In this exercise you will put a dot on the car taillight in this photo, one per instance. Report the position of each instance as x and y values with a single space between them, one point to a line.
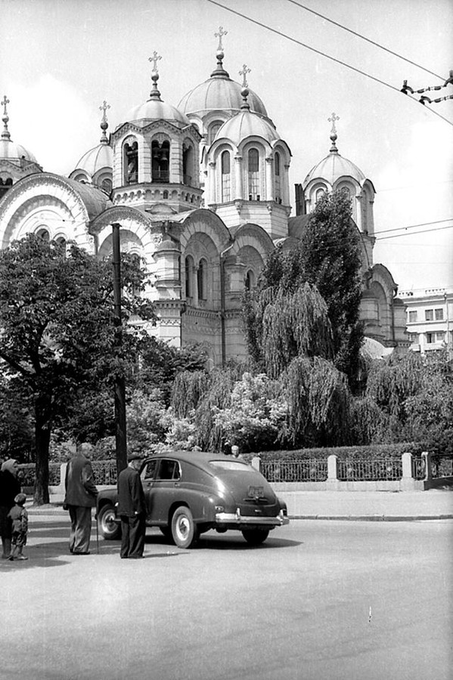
219 508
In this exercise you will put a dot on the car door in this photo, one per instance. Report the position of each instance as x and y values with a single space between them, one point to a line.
166 489
149 475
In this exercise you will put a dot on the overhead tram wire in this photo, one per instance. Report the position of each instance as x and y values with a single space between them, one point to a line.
323 54
413 233
414 226
372 42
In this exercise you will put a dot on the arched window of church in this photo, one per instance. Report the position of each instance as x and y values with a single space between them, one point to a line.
165 195
226 176
249 280
201 279
160 159
131 163
136 260
320 193
253 166
43 234
189 274
278 190
106 185
5 185
213 130
187 164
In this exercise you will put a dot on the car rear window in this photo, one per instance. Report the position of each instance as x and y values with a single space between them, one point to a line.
230 465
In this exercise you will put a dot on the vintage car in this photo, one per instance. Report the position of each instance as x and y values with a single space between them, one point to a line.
189 492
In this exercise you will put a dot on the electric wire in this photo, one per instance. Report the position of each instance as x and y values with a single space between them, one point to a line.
359 35
422 231
414 226
323 54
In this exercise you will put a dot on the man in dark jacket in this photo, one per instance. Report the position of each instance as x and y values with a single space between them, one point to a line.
132 509
80 497
9 488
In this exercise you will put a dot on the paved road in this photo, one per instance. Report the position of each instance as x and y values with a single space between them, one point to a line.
321 600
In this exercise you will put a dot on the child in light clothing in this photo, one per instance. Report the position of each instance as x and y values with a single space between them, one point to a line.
19 518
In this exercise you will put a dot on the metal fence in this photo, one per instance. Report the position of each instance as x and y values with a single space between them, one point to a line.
295 470
358 470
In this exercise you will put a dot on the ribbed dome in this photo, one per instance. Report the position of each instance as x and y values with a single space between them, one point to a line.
218 92
15 152
246 124
332 167
96 159
155 109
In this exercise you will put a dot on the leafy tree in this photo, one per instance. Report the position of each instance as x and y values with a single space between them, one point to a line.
58 338
330 259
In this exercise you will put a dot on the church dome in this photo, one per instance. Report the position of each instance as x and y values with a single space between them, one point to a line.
101 156
156 109
219 92
246 124
334 166
9 150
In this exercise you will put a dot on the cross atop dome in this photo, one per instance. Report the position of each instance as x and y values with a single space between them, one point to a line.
220 71
104 123
155 94
5 133
333 132
219 35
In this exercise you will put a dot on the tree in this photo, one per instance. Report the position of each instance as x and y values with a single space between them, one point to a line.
57 330
330 260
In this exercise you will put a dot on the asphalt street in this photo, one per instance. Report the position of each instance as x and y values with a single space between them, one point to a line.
320 600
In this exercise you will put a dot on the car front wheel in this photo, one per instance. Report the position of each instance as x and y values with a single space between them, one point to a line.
108 527
183 528
255 536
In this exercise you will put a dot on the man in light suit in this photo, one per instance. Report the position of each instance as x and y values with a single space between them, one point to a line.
80 497
132 509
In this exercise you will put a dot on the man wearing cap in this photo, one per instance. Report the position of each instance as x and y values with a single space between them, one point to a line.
132 509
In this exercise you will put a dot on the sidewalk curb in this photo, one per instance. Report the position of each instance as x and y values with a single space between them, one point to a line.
372 518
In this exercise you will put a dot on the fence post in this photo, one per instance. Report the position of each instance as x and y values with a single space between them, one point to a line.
332 471
256 463
428 469
407 480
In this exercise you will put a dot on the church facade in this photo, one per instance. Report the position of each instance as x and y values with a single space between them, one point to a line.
201 193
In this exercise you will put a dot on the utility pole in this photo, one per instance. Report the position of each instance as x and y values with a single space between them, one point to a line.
120 384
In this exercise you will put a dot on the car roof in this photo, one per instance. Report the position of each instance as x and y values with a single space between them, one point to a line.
200 458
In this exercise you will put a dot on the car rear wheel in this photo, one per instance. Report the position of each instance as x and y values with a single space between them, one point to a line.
183 528
108 527
255 536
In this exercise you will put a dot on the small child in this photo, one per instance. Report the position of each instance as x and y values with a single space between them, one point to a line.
19 518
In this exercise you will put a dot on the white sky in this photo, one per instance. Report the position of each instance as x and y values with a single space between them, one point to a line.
59 59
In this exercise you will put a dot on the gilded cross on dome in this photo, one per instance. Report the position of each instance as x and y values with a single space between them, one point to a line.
333 120
155 58
243 73
5 101
219 35
104 108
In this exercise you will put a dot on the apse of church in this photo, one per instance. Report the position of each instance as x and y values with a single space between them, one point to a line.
201 193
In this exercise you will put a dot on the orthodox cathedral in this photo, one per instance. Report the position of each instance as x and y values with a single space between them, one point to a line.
200 192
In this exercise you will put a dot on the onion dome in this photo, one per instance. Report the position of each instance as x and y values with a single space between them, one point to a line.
101 156
155 108
9 150
219 92
334 166
247 123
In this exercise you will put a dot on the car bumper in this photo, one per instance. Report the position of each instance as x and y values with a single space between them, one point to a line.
236 520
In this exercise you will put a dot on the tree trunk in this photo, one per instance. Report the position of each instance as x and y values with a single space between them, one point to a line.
42 439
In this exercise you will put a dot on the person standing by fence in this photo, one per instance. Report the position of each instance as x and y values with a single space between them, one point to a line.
81 493
19 518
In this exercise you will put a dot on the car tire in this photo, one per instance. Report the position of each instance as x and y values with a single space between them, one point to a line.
108 527
255 536
183 528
